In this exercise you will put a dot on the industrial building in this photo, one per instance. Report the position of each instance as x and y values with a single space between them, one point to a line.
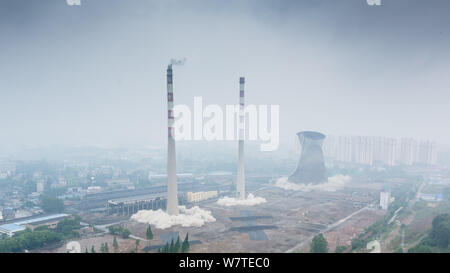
131 205
31 223
311 165
431 197
194 197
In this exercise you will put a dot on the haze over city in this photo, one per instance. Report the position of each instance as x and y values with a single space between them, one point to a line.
94 74
227 127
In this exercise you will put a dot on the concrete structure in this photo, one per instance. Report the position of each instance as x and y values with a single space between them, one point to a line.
385 198
194 197
172 190
131 205
240 184
311 165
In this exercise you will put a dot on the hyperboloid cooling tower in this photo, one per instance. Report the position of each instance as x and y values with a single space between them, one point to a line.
311 166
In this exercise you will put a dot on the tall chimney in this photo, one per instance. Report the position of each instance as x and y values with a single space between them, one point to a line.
172 191
240 184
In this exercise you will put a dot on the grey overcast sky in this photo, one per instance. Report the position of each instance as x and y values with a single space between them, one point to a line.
95 73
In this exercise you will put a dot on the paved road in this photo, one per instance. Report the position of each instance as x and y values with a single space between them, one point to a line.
138 238
105 227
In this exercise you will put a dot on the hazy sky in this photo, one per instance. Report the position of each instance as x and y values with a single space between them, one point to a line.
95 73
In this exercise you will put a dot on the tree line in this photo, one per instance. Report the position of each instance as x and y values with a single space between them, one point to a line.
40 237
176 247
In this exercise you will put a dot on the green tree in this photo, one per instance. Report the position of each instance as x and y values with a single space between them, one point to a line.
27 240
166 248
92 249
177 247
115 244
398 250
420 249
137 244
185 245
319 244
125 233
149 233
440 232
172 247
358 243
341 249
52 204
121 231
106 248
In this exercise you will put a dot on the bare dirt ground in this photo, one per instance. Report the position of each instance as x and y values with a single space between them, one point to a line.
344 234
292 213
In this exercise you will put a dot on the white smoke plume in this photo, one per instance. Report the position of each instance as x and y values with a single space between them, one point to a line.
193 217
251 200
177 62
334 183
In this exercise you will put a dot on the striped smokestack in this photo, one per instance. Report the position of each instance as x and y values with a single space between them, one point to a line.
240 184
172 191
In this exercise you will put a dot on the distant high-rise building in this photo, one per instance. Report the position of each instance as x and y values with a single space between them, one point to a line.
365 150
40 187
427 152
385 198
408 151
390 151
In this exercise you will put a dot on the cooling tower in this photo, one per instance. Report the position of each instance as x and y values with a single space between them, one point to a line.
311 166
240 184
172 191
